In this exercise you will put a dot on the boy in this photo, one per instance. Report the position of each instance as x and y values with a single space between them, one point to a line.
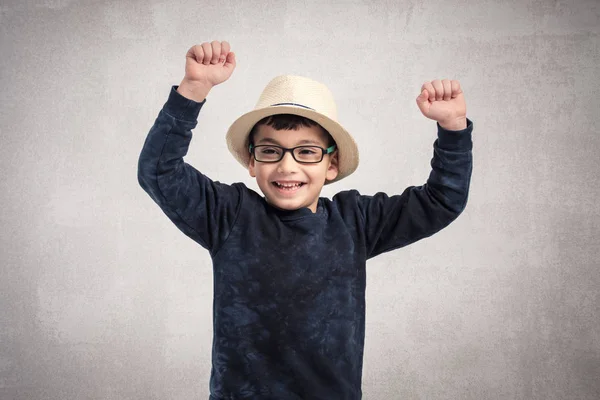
289 268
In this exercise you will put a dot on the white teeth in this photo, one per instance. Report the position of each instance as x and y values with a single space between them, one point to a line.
288 185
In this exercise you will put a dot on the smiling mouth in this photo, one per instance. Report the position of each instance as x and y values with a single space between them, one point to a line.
288 186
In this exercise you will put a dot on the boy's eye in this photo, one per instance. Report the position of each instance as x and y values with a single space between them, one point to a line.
269 150
308 151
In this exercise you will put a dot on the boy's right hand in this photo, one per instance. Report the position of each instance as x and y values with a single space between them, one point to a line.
206 65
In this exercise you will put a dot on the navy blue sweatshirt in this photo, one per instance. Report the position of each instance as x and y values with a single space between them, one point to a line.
289 286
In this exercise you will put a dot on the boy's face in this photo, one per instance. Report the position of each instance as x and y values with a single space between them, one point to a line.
287 184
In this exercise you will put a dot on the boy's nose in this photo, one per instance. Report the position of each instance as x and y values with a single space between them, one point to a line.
287 164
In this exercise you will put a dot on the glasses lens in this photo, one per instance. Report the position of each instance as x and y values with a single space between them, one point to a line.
308 154
267 153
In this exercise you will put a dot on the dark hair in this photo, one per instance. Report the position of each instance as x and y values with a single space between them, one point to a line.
287 122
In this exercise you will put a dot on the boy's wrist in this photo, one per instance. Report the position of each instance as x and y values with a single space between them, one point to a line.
455 140
193 90
458 124
181 107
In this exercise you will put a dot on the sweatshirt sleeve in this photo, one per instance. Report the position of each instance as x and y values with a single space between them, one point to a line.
391 222
202 209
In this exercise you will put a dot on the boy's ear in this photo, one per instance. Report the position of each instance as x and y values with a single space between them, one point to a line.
332 170
251 167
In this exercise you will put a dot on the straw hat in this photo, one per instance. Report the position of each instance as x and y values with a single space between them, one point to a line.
290 94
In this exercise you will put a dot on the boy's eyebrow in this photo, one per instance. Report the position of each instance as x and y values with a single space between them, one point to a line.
302 142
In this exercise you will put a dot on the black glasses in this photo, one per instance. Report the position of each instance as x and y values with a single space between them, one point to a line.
302 154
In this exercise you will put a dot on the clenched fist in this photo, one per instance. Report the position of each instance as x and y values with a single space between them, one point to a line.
444 102
206 65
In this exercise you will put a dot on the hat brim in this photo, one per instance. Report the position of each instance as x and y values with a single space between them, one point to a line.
238 140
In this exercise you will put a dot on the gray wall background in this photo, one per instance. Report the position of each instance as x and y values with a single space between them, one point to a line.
103 298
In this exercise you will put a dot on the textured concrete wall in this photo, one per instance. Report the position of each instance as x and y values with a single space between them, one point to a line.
101 297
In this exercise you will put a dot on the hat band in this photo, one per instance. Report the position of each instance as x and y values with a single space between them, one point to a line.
291 104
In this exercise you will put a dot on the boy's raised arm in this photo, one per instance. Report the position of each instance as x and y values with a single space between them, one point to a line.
420 211
204 210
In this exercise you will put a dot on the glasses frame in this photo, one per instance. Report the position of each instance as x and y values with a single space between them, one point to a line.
328 150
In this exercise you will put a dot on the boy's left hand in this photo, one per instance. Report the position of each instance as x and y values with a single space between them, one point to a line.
444 102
